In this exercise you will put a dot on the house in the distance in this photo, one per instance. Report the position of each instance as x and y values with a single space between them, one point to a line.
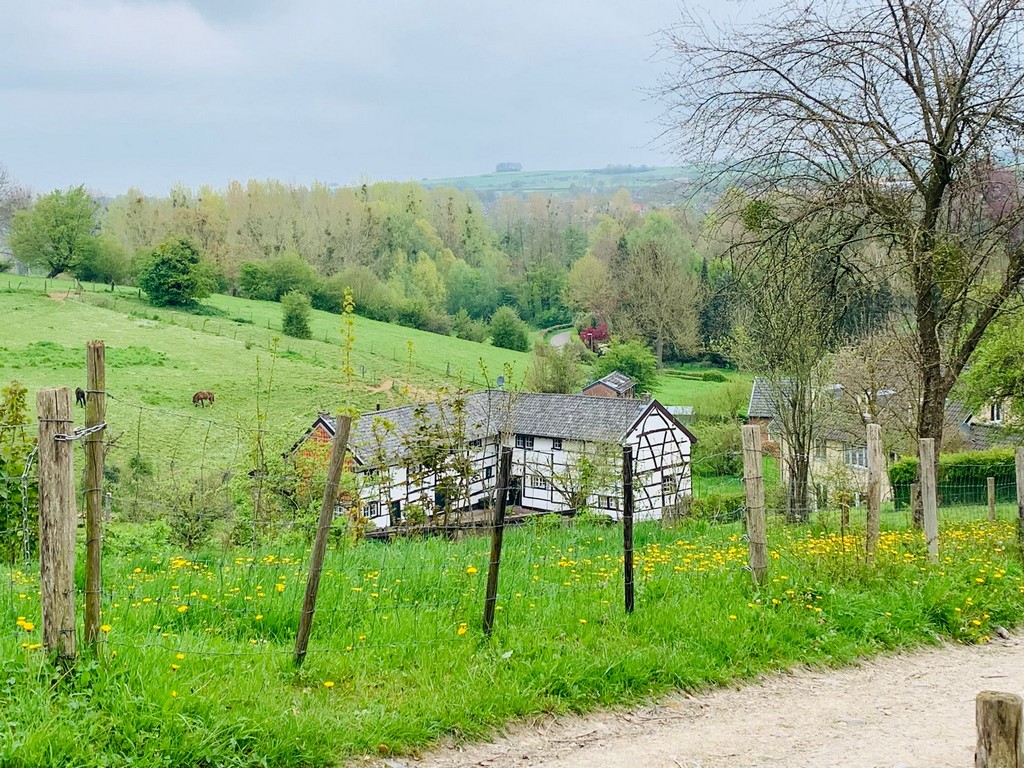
615 384
439 461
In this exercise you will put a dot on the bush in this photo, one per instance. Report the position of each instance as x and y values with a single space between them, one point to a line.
296 311
632 358
465 327
713 376
720 450
508 331
963 477
721 507
175 275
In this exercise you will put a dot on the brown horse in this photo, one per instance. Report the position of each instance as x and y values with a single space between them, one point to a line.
80 397
201 398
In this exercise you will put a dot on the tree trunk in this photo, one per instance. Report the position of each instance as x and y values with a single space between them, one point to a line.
932 418
659 351
798 501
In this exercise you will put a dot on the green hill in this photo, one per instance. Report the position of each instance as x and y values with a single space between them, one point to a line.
158 358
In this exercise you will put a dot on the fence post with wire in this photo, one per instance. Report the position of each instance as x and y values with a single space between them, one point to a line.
753 484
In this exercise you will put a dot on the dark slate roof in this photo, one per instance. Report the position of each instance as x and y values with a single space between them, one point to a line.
571 417
616 380
761 405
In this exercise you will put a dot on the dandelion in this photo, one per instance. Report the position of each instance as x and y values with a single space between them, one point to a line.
328 683
175 667
280 587
583 621
462 629
732 617
471 570
182 608
174 694
180 656
105 628
259 616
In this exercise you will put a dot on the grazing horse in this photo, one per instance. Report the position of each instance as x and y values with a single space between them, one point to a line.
80 397
201 398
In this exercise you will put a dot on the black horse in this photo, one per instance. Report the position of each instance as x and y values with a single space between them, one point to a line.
80 397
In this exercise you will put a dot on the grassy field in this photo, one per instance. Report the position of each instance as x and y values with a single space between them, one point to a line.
195 665
159 357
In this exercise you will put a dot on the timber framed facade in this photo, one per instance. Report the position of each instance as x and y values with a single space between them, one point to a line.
438 462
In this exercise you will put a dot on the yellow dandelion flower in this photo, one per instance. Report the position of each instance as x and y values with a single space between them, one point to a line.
105 628
259 616
583 621
471 570
732 617
328 683
462 629
180 656
175 667
182 608
280 587
174 694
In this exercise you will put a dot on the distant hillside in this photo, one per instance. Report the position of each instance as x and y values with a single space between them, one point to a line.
648 185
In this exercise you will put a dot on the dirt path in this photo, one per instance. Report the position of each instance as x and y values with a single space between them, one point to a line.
561 339
911 711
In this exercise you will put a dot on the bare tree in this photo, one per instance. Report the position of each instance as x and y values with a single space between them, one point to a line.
12 199
890 127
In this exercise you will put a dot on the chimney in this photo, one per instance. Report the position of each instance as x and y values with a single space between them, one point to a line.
378 406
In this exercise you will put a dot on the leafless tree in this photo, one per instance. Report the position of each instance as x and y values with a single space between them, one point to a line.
891 128
12 199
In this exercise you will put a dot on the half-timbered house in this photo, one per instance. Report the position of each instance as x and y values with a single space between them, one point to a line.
440 460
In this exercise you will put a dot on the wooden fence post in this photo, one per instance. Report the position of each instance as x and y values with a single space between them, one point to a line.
876 468
57 519
753 483
95 415
916 514
627 527
342 427
929 496
497 535
1019 461
998 720
991 483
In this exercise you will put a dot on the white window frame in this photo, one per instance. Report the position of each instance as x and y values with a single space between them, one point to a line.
538 482
525 442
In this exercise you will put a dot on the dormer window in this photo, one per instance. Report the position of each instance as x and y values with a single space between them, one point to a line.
995 413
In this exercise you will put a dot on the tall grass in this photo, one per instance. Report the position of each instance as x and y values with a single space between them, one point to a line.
196 670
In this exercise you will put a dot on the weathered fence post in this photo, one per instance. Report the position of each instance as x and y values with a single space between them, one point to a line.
57 519
991 483
998 720
497 535
95 414
342 427
876 468
1019 462
627 527
753 483
929 496
916 513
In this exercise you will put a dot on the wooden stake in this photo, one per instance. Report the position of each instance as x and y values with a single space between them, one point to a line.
991 482
998 720
753 483
57 518
95 415
876 468
916 515
1019 462
627 526
497 535
342 427
929 496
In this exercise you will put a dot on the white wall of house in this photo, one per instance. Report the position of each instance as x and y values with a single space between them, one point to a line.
540 466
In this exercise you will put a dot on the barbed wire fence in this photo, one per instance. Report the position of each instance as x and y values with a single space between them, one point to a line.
194 566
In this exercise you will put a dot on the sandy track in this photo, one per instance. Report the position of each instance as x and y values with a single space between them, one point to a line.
907 711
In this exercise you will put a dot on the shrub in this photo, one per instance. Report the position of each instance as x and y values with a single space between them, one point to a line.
296 311
175 275
721 507
508 331
713 376
465 327
720 450
632 358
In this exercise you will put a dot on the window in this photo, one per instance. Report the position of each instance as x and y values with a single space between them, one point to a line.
476 443
524 441
607 502
373 508
488 472
536 481
820 450
668 484
855 455
995 413
556 443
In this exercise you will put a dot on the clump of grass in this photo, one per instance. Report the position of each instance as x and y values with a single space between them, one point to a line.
196 667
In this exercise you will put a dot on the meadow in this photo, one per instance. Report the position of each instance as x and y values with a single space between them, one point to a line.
159 357
195 663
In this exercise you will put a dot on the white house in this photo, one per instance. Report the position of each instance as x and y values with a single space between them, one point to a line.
441 459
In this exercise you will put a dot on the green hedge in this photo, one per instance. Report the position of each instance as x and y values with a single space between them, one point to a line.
963 477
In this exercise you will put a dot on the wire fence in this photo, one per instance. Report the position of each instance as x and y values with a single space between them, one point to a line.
209 526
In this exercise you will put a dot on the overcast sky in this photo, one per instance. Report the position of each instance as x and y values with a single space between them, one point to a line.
147 93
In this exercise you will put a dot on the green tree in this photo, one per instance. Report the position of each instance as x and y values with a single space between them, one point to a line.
997 371
105 262
632 358
508 331
174 274
296 310
19 530
555 370
57 233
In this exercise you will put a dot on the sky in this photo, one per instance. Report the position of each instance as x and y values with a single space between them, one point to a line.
149 93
